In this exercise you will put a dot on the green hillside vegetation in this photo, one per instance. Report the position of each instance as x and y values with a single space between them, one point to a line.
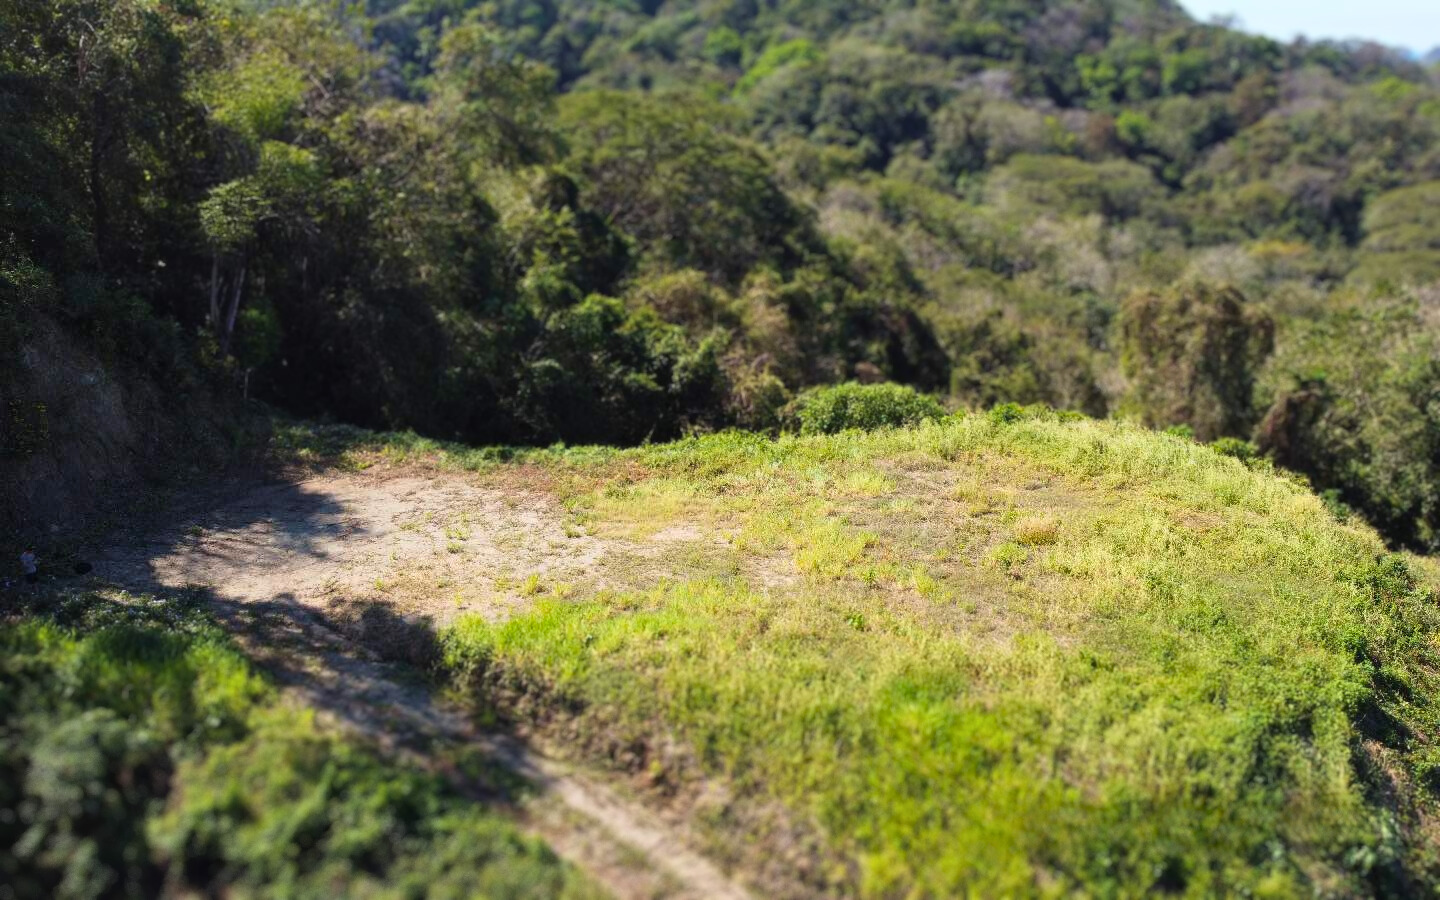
1009 653
143 755
757 272
1017 652
528 222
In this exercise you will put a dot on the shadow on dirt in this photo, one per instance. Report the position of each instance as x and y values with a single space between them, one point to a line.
231 529
248 553
407 639
359 663
287 568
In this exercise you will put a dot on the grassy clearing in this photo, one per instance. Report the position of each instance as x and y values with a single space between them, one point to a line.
141 754
1033 656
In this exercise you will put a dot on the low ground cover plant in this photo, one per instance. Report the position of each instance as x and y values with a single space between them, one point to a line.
142 753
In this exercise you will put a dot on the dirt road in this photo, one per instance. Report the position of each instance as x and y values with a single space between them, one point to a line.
331 580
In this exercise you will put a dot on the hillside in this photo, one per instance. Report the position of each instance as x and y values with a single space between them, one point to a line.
528 222
708 450
995 656
1009 653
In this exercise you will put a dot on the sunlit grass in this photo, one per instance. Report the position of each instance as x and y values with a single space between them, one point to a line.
1015 657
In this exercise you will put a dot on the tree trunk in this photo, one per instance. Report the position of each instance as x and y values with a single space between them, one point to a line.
99 146
229 328
215 292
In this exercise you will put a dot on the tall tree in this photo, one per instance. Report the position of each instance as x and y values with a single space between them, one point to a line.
1192 354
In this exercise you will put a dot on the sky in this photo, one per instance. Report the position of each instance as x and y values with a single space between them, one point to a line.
1399 23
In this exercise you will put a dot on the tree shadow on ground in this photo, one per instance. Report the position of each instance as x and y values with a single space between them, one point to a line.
231 530
356 660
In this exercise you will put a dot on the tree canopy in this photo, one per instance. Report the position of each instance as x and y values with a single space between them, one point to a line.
579 221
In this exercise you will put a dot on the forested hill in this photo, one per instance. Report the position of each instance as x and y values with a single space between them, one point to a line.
613 222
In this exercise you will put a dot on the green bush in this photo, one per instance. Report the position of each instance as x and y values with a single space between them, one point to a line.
724 47
1116 189
602 374
1010 413
1192 354
775 58
828 410
1235 447
366 826
141 754
1356 408
1402 237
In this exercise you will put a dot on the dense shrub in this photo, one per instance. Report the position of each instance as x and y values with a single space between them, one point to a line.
1192 355
1242 450
1356 407
601 375
828 410
1115 189
1402 237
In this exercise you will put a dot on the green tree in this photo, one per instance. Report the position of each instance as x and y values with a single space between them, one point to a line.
600 374
495 98
724 47
1402 236
100 131
693 195
1357 408
1192 354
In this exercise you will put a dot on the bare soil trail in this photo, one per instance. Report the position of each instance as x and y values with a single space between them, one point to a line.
336 581
429 547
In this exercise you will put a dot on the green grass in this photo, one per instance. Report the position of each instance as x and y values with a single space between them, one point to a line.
1012 655
141 754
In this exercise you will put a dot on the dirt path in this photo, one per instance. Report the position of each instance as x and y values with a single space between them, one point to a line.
316 576
435 547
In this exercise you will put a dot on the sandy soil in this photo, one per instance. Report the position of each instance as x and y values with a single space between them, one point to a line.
430 546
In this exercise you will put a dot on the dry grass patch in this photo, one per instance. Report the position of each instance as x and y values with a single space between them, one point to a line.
1036 531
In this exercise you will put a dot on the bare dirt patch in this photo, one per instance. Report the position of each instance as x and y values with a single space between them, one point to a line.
332 580
432 547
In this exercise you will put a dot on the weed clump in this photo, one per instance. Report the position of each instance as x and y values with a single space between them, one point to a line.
1035 531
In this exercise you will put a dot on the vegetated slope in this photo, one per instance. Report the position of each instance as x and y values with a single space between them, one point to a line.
991 656
85 429
1012 653
527 222
145 756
